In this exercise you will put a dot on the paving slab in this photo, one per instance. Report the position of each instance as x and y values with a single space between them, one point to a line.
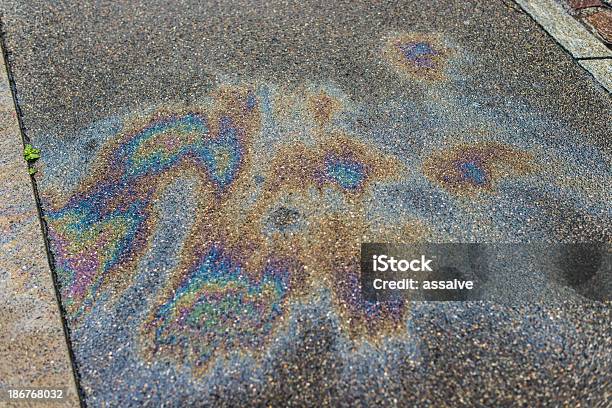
601 20
33 348
582 4
208 173
601 69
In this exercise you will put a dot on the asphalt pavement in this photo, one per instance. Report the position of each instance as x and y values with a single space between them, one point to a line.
209 170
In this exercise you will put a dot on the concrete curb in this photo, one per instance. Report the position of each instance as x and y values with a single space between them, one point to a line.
588 50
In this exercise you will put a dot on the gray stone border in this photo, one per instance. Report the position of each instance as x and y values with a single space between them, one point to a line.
588 50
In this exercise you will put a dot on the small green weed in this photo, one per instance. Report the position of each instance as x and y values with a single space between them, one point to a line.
30 153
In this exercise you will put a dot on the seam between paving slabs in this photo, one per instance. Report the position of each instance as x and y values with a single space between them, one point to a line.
525 4
582 63
592 58
43 225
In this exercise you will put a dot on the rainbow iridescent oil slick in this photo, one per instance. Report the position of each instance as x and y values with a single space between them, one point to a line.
470 168
219 305
286 183
417 56
100 230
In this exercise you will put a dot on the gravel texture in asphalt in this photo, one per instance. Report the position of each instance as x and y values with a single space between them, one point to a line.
210 169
